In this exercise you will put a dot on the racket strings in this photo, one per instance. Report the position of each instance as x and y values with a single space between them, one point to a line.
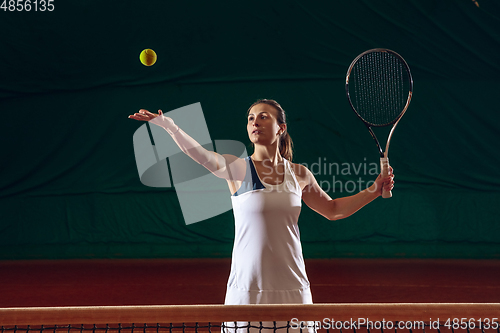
379 86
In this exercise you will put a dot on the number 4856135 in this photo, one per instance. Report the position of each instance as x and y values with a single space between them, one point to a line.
27 5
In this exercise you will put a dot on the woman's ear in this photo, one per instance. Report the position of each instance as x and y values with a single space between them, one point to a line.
282 128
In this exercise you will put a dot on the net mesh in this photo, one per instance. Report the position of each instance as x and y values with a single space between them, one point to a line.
355 318
379 87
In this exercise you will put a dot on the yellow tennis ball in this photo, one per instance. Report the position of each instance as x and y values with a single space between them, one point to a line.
148 57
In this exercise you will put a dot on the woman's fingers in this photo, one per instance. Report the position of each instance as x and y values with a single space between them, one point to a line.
141 116
147 113
144 115
389 183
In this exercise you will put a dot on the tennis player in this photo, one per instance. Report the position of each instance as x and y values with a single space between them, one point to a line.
267 193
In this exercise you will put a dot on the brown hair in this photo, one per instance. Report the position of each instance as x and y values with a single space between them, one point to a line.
286 144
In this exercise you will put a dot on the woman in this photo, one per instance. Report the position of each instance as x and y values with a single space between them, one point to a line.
267 191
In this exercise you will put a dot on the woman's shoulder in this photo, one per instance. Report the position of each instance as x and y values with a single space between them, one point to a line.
236 166
300 170
235 159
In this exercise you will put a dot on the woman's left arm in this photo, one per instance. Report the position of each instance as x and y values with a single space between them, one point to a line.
334 209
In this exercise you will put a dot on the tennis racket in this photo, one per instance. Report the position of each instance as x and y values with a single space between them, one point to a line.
379 88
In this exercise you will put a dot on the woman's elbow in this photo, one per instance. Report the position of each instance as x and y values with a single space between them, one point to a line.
334 212
334 216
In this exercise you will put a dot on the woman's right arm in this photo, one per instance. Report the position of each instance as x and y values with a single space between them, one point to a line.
212 161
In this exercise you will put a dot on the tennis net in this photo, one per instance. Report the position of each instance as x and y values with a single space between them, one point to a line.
346 318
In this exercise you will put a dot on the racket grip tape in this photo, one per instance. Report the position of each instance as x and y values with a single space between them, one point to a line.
384 167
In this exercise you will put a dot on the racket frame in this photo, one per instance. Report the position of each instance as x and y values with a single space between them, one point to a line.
384 160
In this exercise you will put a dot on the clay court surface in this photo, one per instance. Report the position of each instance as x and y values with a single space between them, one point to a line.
203 281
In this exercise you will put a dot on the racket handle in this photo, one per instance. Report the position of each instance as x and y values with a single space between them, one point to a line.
384 167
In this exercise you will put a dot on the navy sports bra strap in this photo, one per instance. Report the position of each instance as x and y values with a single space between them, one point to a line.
251 181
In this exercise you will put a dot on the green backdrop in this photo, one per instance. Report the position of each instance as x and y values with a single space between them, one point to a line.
70 77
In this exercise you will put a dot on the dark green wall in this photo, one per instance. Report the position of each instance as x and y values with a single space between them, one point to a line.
69 79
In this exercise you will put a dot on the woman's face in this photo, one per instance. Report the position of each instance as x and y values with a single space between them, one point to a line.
262 125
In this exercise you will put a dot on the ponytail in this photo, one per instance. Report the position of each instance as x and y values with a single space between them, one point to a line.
286 146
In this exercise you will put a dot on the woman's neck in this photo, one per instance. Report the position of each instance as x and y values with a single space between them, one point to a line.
267 153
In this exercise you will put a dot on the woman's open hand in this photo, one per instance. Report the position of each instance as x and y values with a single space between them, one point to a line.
157 119
143 115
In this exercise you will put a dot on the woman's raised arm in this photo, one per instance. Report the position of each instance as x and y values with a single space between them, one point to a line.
212 161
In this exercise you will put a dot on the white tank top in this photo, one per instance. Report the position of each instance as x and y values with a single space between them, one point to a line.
267 262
